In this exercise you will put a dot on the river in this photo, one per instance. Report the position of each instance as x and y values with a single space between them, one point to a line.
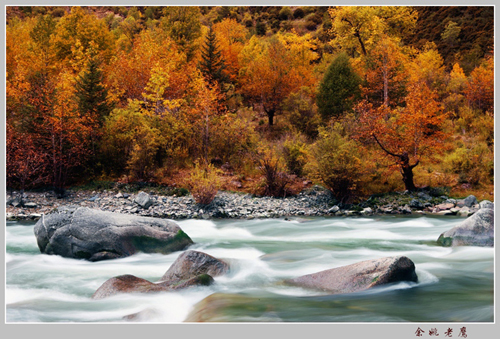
455 284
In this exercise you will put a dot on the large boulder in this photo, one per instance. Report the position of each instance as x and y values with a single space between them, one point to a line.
84 233
360 276
476 230
486 204
194 263
191 268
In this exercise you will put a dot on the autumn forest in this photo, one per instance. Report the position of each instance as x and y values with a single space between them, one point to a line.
265 100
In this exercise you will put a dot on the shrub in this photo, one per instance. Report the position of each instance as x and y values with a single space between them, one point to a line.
204 182
285 13
276 180
296 154
247 20
58 12
260 28
298 13
302 113
338 163
474 165
232 136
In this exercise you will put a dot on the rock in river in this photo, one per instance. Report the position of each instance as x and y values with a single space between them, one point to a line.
131 284
84 233
191 268
193 263
476 230
359 276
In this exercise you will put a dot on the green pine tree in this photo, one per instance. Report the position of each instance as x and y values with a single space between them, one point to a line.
339 88
92 99
91 95
212 64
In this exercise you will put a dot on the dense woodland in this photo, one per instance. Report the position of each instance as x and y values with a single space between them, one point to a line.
361 100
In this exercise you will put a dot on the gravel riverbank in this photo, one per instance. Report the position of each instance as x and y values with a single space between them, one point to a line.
316 201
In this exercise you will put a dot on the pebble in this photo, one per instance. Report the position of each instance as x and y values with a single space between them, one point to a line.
316 202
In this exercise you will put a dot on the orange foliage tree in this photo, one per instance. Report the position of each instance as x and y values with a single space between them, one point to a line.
25 162
385 71
231 37
406 133
479 90
271 71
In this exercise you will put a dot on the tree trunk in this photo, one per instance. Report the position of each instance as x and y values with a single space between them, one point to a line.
270 116
407 172
357 35
404 162
386 84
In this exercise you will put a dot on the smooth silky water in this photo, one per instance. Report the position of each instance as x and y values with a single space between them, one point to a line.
455 284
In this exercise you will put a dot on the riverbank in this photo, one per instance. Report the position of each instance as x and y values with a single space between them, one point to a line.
315 201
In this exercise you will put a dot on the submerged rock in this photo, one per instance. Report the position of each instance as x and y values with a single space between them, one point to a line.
476 230
125 284
83 233
131 284
360 276
224 307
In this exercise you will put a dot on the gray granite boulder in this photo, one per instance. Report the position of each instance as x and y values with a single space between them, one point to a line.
476 230
486 204
84 233
359 276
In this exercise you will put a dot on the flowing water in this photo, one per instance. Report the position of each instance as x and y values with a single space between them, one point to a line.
455 284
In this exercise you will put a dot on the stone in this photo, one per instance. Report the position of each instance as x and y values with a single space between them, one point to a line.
424 196
125 284
144 200
334 209
17 202
193 263
367 210
415 203
476 230
464 212
405 209
486 204
119 195
30 205
470 201
131 284
359 276
444 206
84 233
444 212
387 210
